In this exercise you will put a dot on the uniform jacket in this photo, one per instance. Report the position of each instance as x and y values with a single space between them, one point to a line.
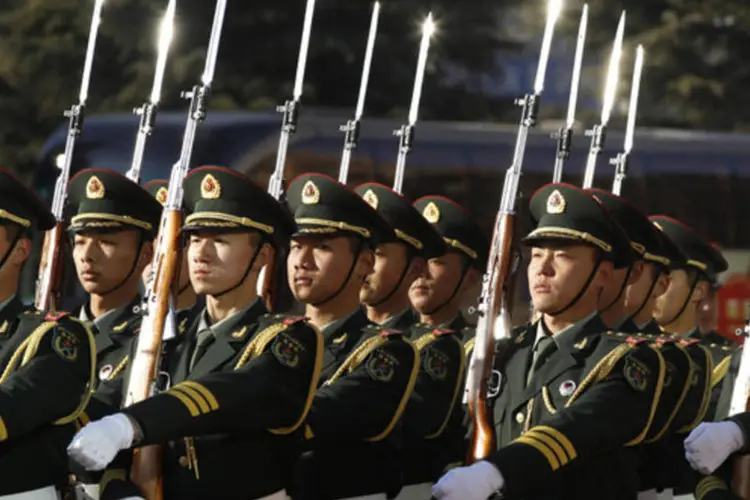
46 364
571 432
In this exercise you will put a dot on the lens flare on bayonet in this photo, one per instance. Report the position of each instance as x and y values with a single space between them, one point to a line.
577 64
554 7
165 39
635 90
613 73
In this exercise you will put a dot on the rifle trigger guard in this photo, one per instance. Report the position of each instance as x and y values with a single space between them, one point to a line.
493 385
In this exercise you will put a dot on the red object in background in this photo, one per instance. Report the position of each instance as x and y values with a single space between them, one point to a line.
733 306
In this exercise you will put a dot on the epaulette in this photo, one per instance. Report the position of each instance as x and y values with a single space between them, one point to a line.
50 316
442 331
293 320
687 342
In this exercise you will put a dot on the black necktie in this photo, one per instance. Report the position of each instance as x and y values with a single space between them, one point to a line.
542 350
204 339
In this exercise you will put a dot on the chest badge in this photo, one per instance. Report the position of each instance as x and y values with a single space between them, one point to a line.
567 388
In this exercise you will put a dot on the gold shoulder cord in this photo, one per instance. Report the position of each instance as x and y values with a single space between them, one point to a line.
28 349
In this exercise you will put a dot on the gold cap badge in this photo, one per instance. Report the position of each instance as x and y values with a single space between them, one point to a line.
161 195
210 188
555 203
431 212
310 193
94 188
371 198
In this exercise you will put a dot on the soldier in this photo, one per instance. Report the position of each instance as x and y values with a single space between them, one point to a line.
399 260
434 431
112 230
354 448
46 362
684 393
573 399
186 297
677 310
232 423
637 290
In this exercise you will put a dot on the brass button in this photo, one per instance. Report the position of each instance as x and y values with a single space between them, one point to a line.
183 461
520 417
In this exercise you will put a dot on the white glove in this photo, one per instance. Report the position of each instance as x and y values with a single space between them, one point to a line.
710 444
476 482
97 444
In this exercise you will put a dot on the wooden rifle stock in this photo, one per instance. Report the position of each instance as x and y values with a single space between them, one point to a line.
50 270
146 471
269 289
494 300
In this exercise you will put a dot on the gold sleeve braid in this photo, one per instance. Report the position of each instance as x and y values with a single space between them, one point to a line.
359 355
718 373
707 387
605 366
26 352
423 342
683 394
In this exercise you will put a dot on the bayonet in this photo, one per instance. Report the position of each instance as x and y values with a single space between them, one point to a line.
621 160
599 133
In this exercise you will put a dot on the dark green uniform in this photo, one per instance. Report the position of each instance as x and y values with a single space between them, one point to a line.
232 420
105 201
46 367
353 426
684 398
706 262
434 430
571 430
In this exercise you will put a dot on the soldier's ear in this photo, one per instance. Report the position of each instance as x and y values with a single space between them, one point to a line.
636 272
146 255
365 263
603 274
700 291
265 254
21 251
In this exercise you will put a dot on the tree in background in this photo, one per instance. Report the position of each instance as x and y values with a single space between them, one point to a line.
695 74
43 44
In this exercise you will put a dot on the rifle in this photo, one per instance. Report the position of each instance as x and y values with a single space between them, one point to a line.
50 265
599 133
564 136
620 162
406 132
352 126
494 319
158 301
290 109
150 108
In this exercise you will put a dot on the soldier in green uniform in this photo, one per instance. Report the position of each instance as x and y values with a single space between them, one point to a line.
638 284
353 429
112 229
676 311
684 394
434 430
574 399
399 260
46 362
232 423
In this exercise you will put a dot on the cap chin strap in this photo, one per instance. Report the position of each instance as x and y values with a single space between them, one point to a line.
648 295
622 288
464 270
687 300
586 285
412 255
141 241
357 252
247 270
